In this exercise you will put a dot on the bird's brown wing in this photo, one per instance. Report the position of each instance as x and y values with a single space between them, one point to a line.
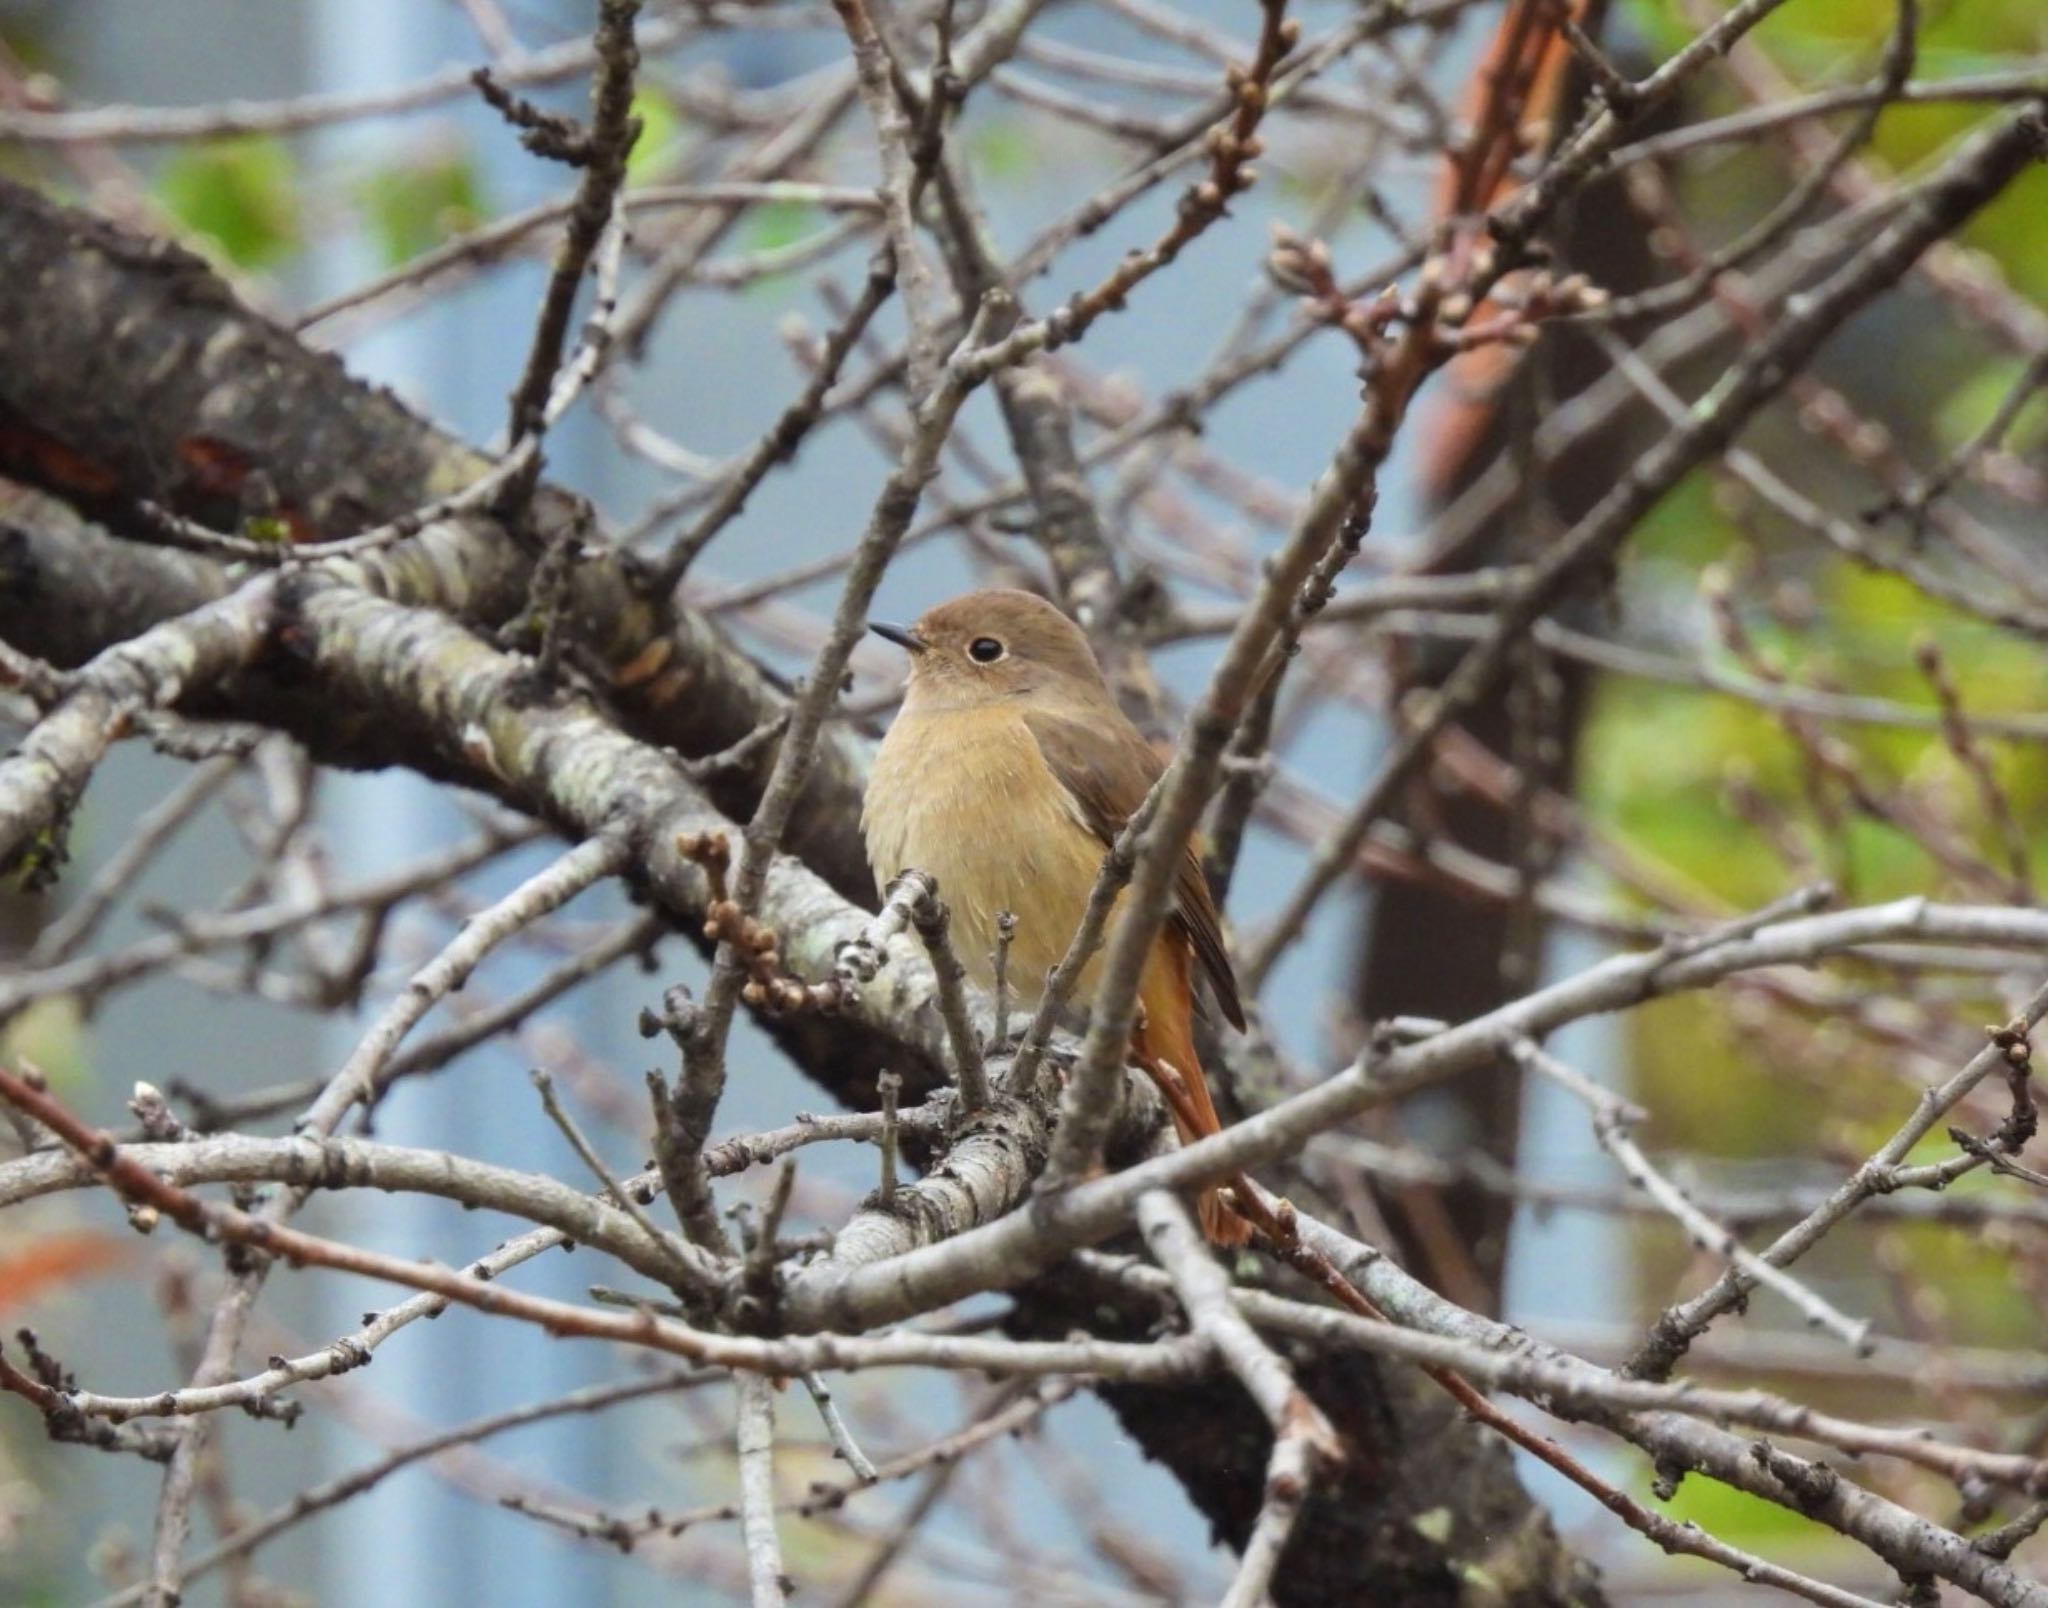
1107 768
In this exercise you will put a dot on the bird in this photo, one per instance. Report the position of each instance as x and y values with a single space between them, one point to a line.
1006 776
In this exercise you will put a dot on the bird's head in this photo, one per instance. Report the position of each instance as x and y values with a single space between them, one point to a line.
994 645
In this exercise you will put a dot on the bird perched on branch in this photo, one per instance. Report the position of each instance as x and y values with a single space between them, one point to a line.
1007 775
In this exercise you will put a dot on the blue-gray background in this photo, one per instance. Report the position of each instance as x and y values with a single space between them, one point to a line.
715 378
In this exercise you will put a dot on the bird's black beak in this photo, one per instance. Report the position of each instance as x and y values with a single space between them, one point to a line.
901 635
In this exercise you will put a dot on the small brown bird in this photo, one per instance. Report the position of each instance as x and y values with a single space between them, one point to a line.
1007 775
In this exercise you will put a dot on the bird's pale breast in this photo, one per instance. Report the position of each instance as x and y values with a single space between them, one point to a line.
965 795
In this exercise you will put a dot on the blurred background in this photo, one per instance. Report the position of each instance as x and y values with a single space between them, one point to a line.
1673 796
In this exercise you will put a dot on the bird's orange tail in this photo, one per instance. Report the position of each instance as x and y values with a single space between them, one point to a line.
1167 1036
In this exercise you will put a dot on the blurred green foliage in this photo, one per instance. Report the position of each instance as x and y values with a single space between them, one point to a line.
1004 148
239 195
774 224
1974 403
1826 43
1762 1077
1658 759
412 206
661 134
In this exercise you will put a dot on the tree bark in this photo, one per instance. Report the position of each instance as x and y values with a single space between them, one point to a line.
1467 965
131 374
1427 1503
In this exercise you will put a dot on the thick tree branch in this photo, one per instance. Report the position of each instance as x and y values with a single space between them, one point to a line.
134 375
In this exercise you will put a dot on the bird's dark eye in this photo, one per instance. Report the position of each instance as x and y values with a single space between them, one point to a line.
984 650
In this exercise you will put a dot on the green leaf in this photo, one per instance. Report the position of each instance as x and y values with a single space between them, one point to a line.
1748 1521
266 528
1664 27
776 224
1685 527
2010 231
413 206
661 131
50 1033
1005 148
238 193
1975 402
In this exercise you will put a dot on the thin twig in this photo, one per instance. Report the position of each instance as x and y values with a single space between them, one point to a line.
844 1446
886 1089
929 915
622 1195
601 152
1006 935
762 1255
1305 1446
754 1439
780 444
1612 1118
